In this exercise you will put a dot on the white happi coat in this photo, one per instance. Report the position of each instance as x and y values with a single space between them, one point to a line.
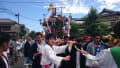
103 60
49 55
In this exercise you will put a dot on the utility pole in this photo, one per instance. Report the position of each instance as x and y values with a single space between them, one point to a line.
70 17
61 10
17 15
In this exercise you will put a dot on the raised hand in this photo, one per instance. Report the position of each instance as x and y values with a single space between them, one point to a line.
83 52
67 58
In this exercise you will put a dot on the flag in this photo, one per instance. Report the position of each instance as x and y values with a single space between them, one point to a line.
116 55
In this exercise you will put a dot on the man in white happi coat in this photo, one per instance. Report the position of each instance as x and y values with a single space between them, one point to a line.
49 57
108 58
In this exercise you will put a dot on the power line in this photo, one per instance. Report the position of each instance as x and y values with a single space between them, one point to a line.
28 18
7 11
4 10
20 3
32 2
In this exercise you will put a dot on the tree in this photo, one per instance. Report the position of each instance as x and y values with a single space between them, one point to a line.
102 29
92 17
32 34
22 30
93 25
116 29
74 31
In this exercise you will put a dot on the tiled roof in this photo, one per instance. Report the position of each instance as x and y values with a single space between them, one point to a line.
107 12
77 19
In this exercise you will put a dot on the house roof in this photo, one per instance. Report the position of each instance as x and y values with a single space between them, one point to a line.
77 19
107 12
7 21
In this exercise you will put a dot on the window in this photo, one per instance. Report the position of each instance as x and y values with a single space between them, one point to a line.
5 28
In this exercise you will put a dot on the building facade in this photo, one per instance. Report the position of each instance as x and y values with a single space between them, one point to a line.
9 26
109 17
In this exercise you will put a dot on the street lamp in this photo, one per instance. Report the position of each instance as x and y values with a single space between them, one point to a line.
41 22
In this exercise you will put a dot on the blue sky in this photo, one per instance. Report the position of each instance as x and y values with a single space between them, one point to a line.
32 10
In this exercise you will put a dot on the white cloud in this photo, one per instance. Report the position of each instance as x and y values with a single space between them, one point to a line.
110 4
77 6
109 1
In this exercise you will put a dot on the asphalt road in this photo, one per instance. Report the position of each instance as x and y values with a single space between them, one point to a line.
19 64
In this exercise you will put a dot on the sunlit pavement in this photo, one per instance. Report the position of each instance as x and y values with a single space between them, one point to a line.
19 64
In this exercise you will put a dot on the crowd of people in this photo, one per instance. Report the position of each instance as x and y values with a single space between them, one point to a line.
49 51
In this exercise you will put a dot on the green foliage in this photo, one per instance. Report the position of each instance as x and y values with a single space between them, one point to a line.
32 34
92 25
116 29
91 29
74 29
102 29
96 28
119 18
22 31
92 17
